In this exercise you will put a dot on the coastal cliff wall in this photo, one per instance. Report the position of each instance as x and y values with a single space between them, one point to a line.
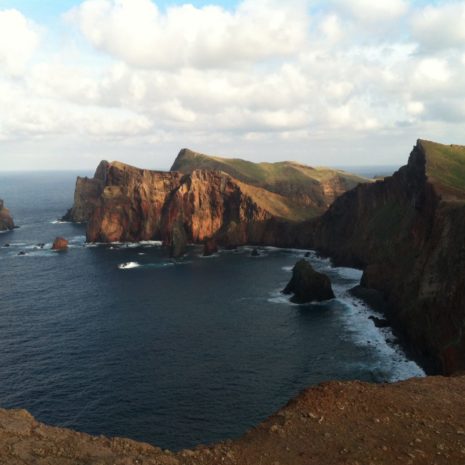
6 220
408 234
123 203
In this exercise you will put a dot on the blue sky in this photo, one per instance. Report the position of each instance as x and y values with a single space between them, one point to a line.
334 82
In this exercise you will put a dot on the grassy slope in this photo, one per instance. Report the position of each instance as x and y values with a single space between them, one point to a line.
445 167
289 180
262 174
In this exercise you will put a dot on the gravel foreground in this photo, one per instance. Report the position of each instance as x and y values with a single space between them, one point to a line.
419 421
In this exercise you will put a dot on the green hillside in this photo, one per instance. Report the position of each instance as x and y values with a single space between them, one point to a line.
445 167
267 175
305 191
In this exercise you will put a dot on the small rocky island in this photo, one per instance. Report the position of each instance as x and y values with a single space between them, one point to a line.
308 285
6 220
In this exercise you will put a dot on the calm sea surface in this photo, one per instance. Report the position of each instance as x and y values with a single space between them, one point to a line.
172 353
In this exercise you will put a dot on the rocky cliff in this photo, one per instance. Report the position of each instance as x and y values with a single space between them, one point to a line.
6 220
408 234
124 203
416 422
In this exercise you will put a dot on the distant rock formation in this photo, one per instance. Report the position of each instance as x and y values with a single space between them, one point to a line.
408 234
6 220
308 285
60 244
204 200
123 203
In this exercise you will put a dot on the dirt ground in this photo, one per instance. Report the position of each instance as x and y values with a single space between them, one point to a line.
418 422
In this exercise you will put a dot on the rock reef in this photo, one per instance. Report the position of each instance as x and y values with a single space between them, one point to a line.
6 220
416 422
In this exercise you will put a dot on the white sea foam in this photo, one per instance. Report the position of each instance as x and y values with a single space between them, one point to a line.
59 222
129 265
354 316
151 243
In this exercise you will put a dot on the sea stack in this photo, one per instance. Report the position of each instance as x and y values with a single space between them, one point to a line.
60 244
6 220
308 285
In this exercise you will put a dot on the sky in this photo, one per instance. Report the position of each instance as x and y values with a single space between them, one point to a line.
333 82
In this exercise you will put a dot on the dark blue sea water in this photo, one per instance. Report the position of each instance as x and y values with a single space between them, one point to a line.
172 353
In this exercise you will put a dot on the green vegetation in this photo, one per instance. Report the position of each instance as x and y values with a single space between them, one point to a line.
290 190
445 167
267 175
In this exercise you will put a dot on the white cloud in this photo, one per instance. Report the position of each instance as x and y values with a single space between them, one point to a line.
372 11
269 78
18 41
440 27
138 33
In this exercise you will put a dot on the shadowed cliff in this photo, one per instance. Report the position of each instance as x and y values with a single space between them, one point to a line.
408 234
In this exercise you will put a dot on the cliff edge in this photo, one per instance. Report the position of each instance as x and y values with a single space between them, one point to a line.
415 422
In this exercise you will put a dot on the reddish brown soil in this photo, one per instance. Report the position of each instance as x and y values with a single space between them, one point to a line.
415 422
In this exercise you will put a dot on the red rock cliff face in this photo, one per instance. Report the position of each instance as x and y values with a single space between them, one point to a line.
410 240
123 203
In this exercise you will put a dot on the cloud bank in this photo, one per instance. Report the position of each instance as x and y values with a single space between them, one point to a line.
337 82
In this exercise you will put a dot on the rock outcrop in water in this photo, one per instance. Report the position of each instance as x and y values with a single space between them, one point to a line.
418 422
6 220
308 285
60 244
408 234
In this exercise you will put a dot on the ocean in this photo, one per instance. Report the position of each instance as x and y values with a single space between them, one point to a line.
174 353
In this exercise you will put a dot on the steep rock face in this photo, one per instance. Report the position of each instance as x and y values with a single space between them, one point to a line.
6 220
129 207
212 204
123 203
87 194
408 233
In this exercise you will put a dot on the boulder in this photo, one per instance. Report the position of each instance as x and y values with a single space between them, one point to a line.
255 253
308 285
210 248
60 244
